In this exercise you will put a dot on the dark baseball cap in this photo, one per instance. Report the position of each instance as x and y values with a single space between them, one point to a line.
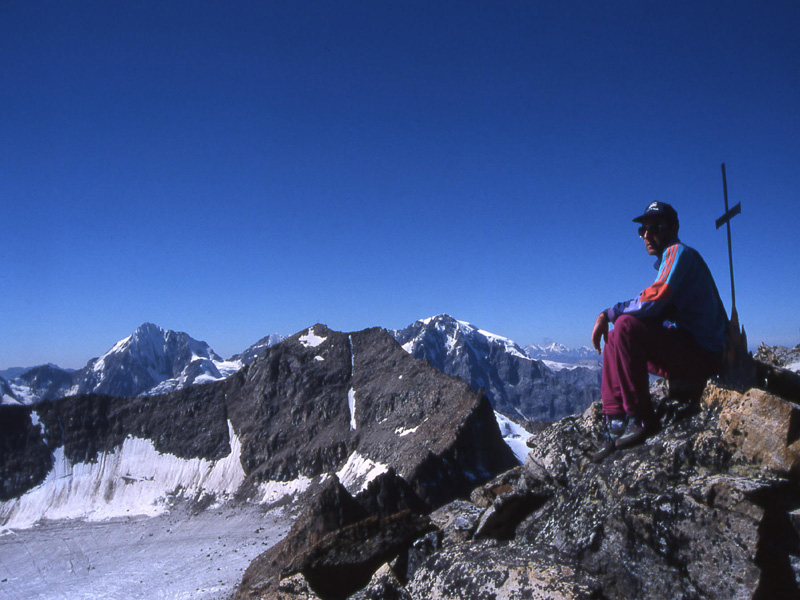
658 210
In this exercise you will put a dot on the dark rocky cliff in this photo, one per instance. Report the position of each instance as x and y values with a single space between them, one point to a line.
190 423
303 410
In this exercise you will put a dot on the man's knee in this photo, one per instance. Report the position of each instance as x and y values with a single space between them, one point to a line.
628 326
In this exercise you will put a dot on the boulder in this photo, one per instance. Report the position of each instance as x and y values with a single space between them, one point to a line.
764 428
334 508
489 569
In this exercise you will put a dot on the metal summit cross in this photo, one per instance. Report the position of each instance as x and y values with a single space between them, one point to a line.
739 370
726 220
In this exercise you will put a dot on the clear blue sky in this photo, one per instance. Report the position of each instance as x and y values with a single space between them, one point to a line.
237 169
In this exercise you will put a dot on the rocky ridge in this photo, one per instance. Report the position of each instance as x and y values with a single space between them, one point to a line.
779 356
707 507
321 405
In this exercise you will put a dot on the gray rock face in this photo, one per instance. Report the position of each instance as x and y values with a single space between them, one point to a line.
777 369
188 424
24 455
517 385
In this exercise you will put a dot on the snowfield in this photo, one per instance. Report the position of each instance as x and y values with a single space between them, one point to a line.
172 556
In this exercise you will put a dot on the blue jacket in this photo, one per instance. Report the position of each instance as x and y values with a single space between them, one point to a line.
683 295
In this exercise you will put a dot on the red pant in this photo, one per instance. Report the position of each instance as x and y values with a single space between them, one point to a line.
637 347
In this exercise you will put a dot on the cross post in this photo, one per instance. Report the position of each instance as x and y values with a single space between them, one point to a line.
725 219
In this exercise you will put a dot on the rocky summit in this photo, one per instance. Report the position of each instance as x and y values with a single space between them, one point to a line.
325 401
707 507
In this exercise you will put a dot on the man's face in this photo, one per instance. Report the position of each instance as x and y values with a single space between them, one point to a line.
657 233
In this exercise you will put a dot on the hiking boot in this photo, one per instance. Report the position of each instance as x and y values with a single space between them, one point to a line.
636 432
615 427
608 448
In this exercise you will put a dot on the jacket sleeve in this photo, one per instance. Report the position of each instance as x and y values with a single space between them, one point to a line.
654 299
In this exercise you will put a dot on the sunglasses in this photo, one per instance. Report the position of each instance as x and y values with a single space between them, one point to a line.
654 228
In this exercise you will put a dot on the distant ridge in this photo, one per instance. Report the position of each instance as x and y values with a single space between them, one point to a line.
517 385
151 360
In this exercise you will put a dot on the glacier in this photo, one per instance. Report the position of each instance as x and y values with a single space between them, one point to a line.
132 480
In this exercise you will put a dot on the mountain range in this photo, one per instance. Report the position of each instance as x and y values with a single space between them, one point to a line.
378 451
535 383
150 361
559 356
321 405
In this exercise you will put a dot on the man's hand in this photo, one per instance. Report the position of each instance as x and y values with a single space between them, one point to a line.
600 331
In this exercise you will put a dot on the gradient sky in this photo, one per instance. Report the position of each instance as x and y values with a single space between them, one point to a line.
236 169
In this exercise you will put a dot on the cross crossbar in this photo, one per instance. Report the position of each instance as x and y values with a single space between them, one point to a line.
736 210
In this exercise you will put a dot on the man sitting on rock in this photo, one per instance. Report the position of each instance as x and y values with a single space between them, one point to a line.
675 328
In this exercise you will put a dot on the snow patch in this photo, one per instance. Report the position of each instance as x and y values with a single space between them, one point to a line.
351 395
273 491
319 358
358 471
24 394
228 367
311 339
559 366
514 435
401 432
134 479
452 341
351 403
35 420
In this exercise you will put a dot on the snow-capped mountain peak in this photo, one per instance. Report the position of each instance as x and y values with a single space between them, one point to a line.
453 335
150 360
153 344
517 384
249 355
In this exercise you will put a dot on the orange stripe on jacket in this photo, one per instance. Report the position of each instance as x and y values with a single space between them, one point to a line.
658 291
